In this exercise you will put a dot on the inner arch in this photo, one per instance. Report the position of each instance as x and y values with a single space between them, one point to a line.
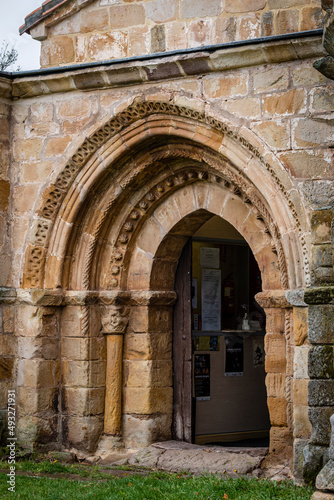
156 249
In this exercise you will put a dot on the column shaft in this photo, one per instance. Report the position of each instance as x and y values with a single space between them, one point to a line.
113 405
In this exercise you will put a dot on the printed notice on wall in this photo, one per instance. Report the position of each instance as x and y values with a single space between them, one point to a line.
202 377
211 299
209 257
234 359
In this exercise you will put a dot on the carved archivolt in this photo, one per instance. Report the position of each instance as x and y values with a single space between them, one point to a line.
235 183
55 194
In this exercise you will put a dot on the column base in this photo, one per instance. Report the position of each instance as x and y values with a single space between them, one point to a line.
109 445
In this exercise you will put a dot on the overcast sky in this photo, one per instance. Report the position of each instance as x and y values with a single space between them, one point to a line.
13 14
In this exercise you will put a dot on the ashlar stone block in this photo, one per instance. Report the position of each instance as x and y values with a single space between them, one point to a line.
161 11
77 321
94 20
239 6
301 362
200 32
147 401
274 78
8 344
300 392
321 362
141 432
307 132
300 325
321 324
82 433
314 459
301 424
84 373
32 321
321 393
288 103
278 411
6 368
123 16
37 373
147 346
42 347
83 401
280 441
83 349
249 26
321 427
201 8
148 373
275 320
144 319
275 383
226 86
32 430
103 46
287 21
33 401
321 222
275 353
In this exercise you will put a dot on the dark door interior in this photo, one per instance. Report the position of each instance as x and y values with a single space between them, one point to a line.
218 359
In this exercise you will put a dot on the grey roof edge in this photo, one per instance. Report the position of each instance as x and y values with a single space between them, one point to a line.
161 55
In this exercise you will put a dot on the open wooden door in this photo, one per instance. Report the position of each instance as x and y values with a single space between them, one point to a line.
182 350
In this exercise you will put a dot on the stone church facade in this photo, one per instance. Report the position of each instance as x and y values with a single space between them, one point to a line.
109 165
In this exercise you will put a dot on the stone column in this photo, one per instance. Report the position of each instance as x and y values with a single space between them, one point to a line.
114 322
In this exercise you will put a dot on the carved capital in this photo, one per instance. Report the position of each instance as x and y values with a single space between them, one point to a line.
272 298
114 319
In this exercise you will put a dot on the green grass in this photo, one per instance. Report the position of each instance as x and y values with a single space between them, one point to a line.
98 484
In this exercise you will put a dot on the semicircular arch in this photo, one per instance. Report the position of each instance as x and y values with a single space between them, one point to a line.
121 155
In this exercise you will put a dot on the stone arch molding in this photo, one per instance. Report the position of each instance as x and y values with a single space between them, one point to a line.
113 183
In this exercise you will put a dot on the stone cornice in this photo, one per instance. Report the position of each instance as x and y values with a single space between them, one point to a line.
5 87
125 73
53 11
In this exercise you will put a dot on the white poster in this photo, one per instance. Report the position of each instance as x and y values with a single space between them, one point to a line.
209 257
211 299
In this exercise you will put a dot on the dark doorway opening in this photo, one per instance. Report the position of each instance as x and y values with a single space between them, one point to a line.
218 349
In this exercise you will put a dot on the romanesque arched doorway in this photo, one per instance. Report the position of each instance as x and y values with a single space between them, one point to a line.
107 237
